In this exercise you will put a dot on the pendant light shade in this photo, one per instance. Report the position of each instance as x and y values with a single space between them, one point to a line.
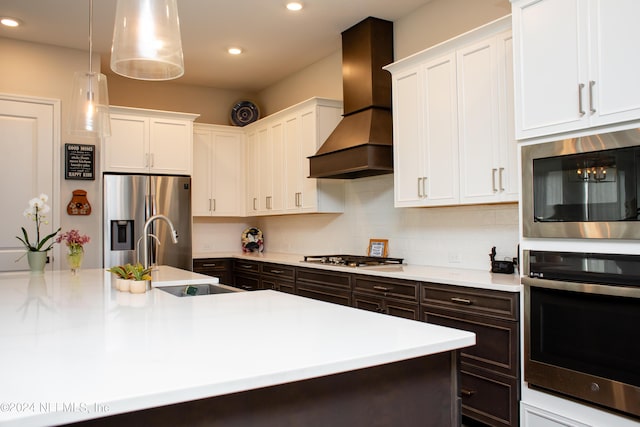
90 105
89 115
146 40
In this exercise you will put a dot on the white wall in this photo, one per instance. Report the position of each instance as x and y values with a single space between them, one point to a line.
459 237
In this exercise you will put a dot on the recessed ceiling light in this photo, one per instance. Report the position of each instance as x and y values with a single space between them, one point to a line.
294 5
9 22
234 50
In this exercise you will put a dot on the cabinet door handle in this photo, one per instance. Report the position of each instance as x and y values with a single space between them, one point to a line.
381 288
254 203
214 205
276 271
493 179
424 186
500 173
580 109
208 265
209 205
467 393
246 287
146 160
591 85
245 266
462 301
419 187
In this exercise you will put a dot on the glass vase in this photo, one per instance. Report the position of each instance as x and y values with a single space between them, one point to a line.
74 258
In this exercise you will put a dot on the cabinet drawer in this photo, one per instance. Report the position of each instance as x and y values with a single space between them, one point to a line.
240 266
278 270
324 293
491 303
321 277
489 398
400 289
287 286
203 265
247 283
496 340
387 306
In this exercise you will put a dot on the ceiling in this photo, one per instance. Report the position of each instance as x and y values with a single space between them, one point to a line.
276 42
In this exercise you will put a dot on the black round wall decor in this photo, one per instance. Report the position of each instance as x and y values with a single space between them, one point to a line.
244 112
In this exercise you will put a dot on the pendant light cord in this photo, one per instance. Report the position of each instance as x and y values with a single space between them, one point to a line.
90 34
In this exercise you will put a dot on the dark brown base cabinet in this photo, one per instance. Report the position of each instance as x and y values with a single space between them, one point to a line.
489 371
489 379
419 392
216 267
324 285
389 296
278 278
246 275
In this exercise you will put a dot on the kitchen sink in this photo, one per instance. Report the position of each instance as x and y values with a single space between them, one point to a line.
197 290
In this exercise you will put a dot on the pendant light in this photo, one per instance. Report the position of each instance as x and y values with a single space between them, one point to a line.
90 99
146 40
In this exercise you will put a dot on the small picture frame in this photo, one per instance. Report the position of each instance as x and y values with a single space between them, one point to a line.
378 247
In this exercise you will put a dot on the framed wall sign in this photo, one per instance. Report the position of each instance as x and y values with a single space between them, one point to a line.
378 247
79 161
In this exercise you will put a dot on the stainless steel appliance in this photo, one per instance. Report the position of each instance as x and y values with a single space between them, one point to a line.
129 200
352 260
582 312
585 187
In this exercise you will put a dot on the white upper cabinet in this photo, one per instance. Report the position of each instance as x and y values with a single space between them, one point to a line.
488 150
277 166
453 132
217 185
575 65
149 141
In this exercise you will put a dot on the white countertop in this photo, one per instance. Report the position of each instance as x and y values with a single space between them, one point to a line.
74 348
448 276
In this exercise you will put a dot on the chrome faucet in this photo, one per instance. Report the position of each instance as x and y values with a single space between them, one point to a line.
145 236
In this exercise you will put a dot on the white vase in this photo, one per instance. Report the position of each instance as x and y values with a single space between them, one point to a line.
123 284
37 261
138 286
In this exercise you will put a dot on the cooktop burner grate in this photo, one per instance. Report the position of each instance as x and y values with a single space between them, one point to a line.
352 260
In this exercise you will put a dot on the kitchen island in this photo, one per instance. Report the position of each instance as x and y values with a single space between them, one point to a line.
73 349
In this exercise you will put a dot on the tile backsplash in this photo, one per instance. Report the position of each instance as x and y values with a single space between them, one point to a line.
459 237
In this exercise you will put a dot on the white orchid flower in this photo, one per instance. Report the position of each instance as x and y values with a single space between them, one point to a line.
44 198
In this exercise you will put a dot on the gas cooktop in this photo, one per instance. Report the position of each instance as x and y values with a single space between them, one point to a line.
352 260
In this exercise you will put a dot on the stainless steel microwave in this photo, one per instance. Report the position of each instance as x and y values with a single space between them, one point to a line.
583 187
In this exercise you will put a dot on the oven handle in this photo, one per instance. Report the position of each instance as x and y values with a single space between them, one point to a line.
589 288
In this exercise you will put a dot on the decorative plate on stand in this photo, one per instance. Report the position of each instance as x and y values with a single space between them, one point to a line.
252 240
244 112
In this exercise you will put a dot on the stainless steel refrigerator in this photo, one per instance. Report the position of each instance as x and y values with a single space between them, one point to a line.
128 201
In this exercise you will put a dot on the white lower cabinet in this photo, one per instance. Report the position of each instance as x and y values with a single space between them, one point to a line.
453 122
218 171
149 141
535 417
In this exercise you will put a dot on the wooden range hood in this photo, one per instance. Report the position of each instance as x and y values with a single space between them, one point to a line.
362 143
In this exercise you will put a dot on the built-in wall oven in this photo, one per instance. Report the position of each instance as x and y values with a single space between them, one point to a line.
583 187
582 327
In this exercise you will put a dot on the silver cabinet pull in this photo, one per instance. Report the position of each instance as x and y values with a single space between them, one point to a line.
214 205
462 301
209 205
500 173
591 85
419 187
254 204
276 271
580 109
209 265
381 288
424 187
493 179
146 160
